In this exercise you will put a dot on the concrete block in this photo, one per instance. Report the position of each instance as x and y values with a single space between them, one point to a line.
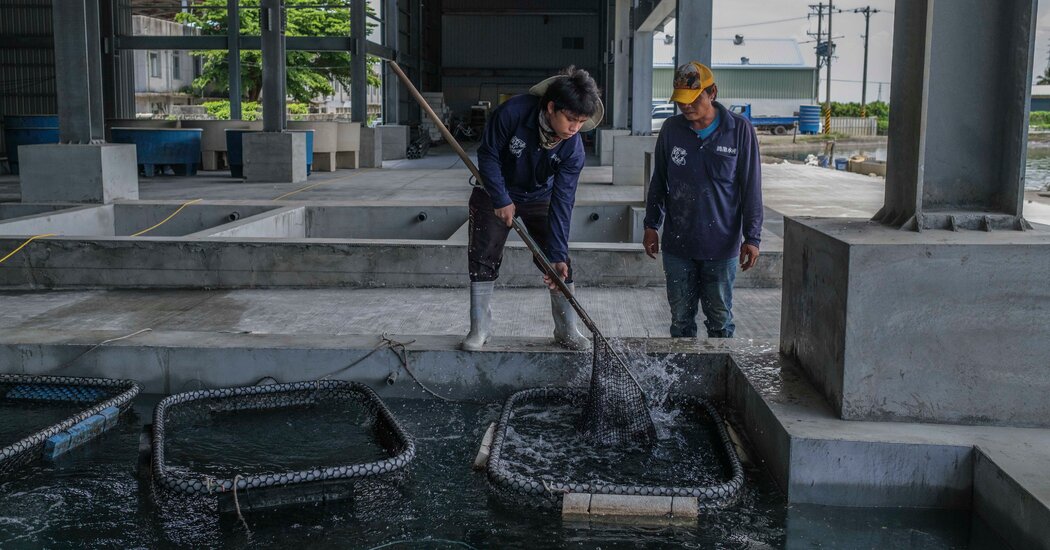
685 507
277 157
937 326
630 505
371 148
348 145
605 144
395 140
629 158
58 172
576 504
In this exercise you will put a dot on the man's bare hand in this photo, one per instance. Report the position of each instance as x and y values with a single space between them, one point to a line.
562 269
748 256
506 214
651 242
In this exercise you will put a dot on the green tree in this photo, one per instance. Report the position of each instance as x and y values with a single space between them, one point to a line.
310 74
1044 79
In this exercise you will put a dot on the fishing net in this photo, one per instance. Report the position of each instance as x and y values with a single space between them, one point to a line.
72 411
616 411
392 447
510 479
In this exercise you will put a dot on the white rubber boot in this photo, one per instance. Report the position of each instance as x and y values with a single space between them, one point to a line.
480 315
566 333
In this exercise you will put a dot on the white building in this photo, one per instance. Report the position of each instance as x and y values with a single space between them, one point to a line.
162 77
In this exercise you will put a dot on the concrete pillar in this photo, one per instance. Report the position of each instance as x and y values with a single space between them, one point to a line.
947 323
271 14
642 85
233 33
82 168
274 155
358 64
621 64
371 148
693 25
78 70
958 137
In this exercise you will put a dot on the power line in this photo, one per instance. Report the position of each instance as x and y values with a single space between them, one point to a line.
760 23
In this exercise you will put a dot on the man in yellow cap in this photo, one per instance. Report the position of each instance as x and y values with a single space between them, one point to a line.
706 192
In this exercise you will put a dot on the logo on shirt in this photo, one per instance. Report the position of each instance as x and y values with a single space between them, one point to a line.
517 145
555 158
726 150
678 155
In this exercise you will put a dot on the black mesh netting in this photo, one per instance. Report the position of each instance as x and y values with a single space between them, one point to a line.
509 481
60 402
616 411
397 445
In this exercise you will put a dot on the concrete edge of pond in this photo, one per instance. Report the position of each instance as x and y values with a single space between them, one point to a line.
818 458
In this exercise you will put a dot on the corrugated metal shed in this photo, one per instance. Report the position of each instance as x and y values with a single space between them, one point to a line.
748 82
27 72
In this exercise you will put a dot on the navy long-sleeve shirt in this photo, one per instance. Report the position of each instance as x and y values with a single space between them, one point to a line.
516 168
707 193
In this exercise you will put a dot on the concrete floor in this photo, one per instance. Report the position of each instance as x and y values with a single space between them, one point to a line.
635 312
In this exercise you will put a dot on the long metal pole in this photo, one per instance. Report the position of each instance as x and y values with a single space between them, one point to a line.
864 80
827 92
233 59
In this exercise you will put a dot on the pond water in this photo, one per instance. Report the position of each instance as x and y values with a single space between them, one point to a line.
92 498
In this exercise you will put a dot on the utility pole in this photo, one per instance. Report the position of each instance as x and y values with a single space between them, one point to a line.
827 93
820 56
867 11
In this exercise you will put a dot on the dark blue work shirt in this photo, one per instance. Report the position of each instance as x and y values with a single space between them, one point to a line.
707 193
516 168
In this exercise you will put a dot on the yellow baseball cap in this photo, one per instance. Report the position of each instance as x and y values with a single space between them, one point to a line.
689 80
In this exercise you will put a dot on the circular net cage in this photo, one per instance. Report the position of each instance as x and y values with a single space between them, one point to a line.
510 481
397 445
78 398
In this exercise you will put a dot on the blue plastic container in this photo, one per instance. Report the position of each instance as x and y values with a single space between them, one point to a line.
179 148
809 119
841 163
27 130
235 150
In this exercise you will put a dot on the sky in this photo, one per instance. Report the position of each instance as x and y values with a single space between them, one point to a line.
748 17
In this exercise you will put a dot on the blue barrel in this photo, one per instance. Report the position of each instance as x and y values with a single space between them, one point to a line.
235 150
809 119
179 148
27 130
841 163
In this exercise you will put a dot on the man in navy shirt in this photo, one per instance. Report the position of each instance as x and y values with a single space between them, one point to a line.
530 159
706 191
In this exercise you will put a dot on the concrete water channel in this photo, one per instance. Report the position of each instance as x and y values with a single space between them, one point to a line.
390 238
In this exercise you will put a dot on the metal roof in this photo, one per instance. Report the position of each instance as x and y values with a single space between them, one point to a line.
763 52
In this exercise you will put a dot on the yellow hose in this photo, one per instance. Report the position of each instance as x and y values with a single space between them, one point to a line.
162 222
20 247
